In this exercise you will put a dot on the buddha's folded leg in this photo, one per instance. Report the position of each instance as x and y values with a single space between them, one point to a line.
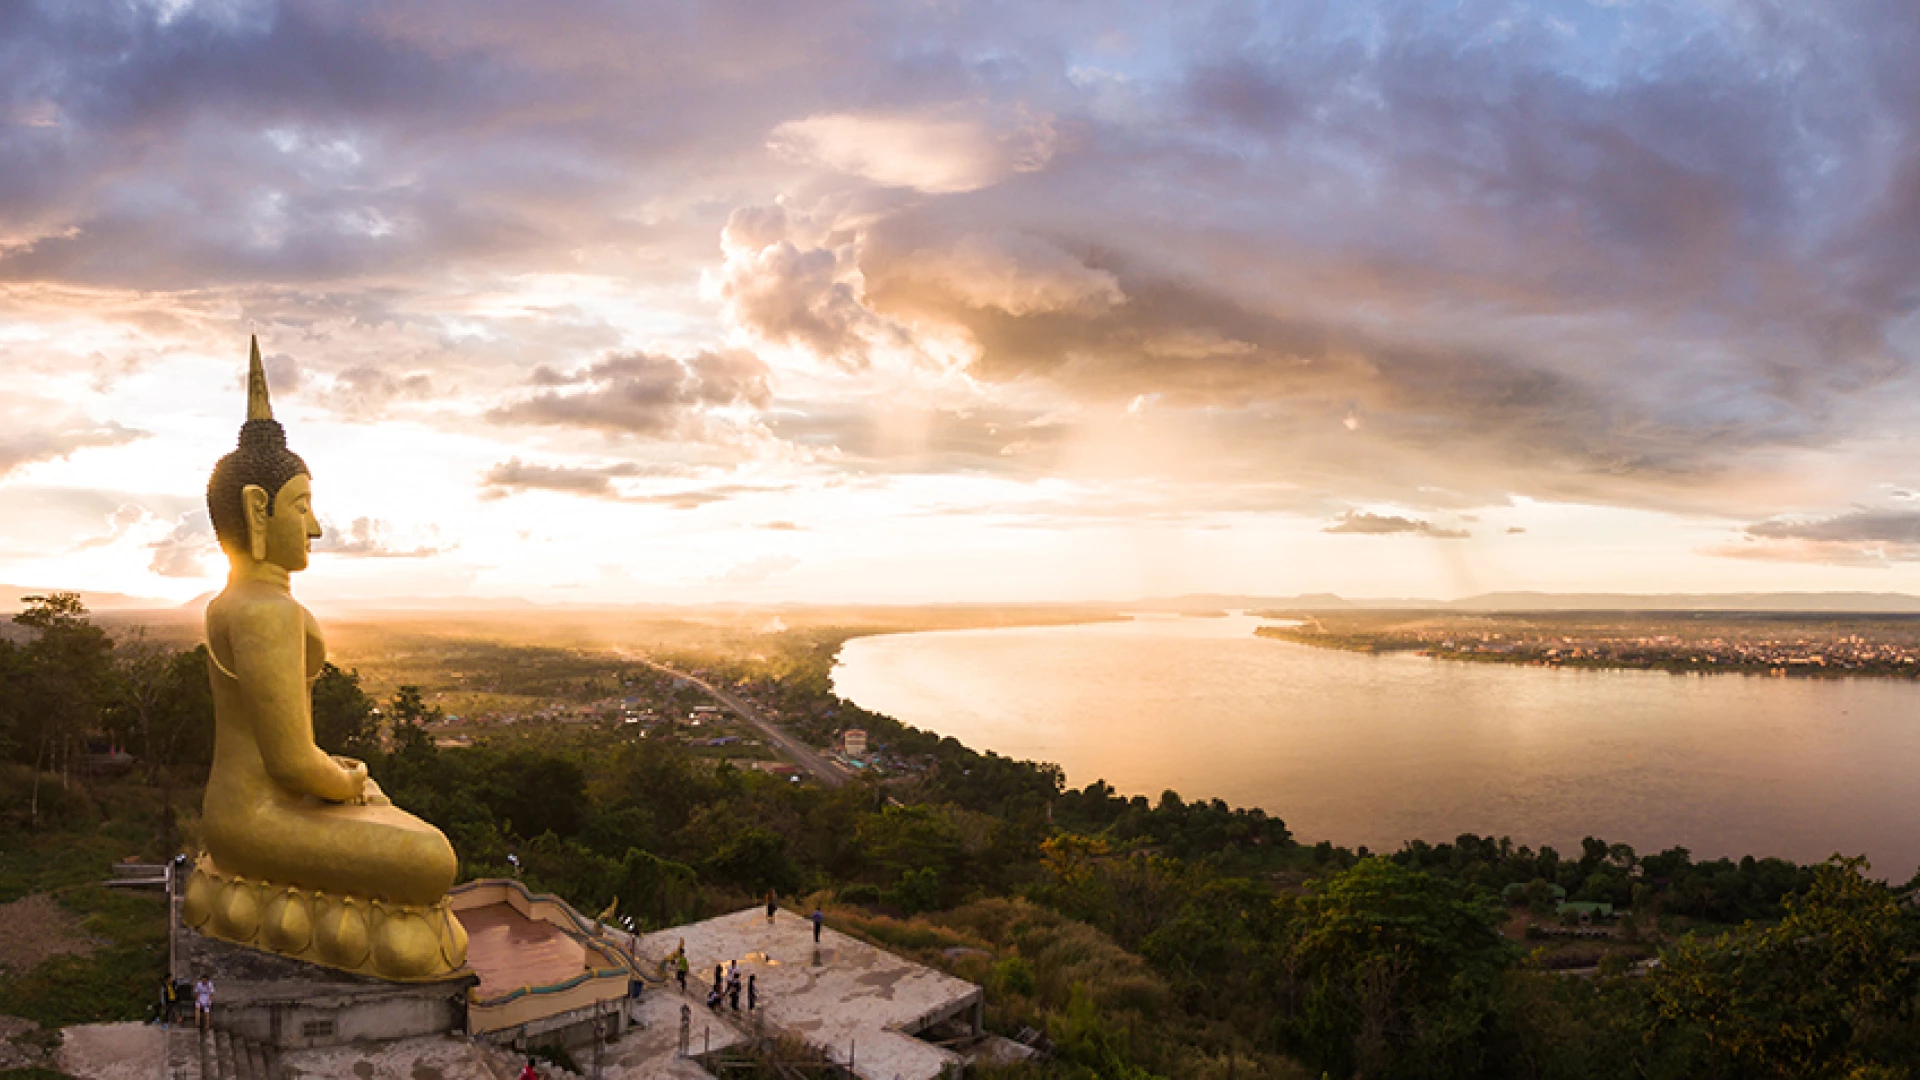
376 852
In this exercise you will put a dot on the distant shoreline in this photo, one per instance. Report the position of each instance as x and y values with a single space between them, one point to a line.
1683 660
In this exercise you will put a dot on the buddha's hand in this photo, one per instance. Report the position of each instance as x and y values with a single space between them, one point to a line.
356 777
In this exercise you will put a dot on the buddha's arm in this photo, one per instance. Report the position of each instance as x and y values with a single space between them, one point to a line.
268 662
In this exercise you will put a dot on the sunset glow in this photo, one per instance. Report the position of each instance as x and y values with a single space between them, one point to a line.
842 302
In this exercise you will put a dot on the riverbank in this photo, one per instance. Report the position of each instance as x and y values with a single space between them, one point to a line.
1763 644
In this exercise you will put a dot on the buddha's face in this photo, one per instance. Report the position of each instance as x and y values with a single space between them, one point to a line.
290 527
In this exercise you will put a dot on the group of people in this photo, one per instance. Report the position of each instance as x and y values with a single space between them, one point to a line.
726 985
172 993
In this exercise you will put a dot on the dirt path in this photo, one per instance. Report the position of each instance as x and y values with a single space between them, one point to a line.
37 929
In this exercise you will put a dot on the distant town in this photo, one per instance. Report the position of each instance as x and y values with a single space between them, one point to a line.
1767 644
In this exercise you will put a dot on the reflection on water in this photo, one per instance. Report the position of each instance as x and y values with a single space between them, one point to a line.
1378 749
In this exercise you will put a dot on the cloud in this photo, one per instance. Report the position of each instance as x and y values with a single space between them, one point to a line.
1855 526
25 441
1364 524
755 571
513 476
597 482
1515 530
787 294
643 394
940 151
1016 273
186 551
1414 262
372 538
1861 538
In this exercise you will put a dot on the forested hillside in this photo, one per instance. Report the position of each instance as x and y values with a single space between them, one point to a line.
1168 937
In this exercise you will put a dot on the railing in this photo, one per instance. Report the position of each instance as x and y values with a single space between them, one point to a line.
600 983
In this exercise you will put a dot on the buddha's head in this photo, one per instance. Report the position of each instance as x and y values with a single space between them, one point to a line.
261 496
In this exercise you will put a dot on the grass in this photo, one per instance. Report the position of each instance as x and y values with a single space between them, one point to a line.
117 982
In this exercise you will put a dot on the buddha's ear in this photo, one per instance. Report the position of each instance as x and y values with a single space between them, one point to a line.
254 498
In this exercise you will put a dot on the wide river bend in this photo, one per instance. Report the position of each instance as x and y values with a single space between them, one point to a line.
1375 750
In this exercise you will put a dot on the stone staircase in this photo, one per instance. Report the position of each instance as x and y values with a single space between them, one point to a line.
217 1055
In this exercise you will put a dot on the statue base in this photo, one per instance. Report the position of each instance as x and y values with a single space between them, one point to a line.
400 942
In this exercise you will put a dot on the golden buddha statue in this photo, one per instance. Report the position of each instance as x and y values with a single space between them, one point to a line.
305 856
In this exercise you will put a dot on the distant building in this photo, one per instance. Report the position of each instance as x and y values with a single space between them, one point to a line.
853 742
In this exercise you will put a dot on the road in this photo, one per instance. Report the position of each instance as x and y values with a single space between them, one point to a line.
796 751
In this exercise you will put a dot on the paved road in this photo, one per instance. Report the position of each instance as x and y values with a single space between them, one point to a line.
796 751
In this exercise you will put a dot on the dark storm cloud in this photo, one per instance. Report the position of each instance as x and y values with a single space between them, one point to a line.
1364 524
642 394
1430 255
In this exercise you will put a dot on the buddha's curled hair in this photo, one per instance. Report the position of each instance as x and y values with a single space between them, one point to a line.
262 458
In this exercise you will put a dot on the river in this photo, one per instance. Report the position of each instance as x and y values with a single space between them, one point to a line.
1375 750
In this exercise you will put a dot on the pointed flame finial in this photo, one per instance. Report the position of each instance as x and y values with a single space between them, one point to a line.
258 405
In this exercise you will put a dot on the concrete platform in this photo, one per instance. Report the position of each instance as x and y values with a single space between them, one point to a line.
843 996
290 1004
437 1057
651 1046
125 1051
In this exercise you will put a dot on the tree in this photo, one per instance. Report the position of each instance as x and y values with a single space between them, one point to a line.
344 719
1803 998
410 715
69 677
1396 972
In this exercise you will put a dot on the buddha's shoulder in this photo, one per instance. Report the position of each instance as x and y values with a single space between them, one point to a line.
248 606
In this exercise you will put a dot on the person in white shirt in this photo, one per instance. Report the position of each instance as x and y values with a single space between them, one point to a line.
203 1003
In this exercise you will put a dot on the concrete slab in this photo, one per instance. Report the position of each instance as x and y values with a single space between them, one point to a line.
433 1057
843 996
128 1051
651 1046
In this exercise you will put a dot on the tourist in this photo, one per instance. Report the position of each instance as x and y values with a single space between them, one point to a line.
203 1003
753 995
770 907
163 1009
819 920
527 1072
713 999
719 978
733 992
680 972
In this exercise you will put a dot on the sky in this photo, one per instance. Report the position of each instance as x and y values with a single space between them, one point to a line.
822 301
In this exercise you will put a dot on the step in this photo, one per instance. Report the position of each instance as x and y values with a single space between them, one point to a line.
257 1060
183 1054
224 1068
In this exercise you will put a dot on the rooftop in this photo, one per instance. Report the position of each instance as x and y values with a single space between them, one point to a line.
845 996
508 950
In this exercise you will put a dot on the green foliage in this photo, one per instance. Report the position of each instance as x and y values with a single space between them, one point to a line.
753 860
1394 972
1807 997
344 719
115 982
409 715
1013 975
1083 1037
